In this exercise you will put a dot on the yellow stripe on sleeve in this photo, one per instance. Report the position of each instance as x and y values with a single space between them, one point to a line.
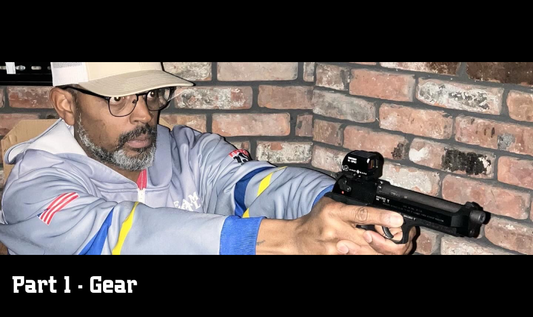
124 231
265 183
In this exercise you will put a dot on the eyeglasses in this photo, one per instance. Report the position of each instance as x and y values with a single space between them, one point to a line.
155 100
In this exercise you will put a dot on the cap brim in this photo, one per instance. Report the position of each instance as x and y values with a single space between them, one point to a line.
134 83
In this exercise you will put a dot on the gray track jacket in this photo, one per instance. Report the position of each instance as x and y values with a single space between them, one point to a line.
201 196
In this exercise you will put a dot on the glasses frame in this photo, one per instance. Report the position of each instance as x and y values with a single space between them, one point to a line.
108 99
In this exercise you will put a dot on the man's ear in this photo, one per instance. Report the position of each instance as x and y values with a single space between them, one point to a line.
64 104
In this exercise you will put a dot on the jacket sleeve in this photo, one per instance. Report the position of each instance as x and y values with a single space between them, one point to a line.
275 193
234 185
55 213
231 183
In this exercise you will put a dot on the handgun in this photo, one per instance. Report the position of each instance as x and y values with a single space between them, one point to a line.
359 184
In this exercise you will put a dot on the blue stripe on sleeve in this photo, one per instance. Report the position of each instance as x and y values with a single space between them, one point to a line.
240 191
325 191
239 236
96 245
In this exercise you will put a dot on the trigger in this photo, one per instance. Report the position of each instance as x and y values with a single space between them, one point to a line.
388 234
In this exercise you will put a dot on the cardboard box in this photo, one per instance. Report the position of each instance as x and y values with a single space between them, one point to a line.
28 129
24 130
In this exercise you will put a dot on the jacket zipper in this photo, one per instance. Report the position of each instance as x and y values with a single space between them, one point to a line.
142 183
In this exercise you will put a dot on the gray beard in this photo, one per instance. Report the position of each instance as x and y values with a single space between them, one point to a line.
118 157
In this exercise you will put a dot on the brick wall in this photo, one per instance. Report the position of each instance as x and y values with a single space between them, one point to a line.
458 130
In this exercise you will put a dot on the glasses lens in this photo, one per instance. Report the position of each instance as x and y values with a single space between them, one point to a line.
158 99
122 106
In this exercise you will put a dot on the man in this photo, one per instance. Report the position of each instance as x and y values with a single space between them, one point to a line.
106 179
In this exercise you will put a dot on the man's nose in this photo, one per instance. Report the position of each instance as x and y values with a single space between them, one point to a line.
141 112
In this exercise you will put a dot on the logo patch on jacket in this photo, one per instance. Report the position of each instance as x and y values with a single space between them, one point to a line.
190 203
241 156
56 206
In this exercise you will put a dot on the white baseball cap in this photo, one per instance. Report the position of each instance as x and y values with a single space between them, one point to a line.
115 79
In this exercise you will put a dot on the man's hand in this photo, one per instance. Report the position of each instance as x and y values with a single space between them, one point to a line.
335 225
331 228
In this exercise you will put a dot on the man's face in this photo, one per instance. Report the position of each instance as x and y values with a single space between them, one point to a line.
128 143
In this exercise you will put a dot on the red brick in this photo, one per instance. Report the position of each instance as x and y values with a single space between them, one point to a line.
29 97
494 199
502 72
243 145
389 145
8 121
382 85
520 106
428 123
195 121
193 71
309 71
285 152
446 68
333 77
211 98
453 159
428 242
414 179
328 159
516 172
295 97
2 96
339 106
511 235
252 124
251 71
460 96
451 245
304 125
327 132
494 135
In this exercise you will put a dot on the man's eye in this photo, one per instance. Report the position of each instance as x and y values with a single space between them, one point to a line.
117 99
152 94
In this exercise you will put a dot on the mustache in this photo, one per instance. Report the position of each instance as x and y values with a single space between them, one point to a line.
146 129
